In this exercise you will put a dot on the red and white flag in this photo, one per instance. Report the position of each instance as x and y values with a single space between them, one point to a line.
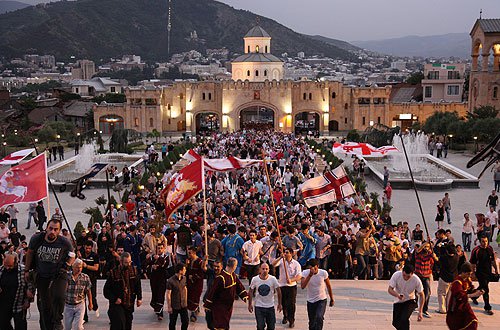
222 164
331 186
25 183
184 184
362 149
16 157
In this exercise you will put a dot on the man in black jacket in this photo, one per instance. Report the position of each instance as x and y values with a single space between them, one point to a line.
122 288
448 270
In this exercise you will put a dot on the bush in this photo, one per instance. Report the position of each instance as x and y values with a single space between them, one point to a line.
95 215
77 231
353 136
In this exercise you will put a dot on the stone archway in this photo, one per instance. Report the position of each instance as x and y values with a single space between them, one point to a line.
259 116
207 122
333 125
307 121
108 123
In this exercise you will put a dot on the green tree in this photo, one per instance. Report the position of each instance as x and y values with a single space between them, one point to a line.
111 98
483 112
119 141
415 78
353 136
439 122
46 134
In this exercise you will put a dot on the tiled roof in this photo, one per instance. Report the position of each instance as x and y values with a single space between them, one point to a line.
257 32
490 25
257 57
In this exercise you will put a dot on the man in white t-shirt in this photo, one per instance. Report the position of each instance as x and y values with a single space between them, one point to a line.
251 252
288 284
402 287
264 286
317 283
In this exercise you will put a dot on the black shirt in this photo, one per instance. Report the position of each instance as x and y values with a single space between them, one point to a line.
483 259
493 200
448 267
49 257
8 286
91 260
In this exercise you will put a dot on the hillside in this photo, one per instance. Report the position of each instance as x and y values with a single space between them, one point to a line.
8 5
336 42
100 29
445 45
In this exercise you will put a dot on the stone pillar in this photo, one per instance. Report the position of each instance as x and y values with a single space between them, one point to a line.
496 63
474 62
484 63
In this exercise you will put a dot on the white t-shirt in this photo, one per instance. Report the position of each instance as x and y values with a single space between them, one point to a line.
406 288
293 268
264 290
316 288
252 250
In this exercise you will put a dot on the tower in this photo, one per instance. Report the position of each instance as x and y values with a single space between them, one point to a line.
484 83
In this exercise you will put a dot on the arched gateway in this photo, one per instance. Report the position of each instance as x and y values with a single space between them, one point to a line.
257 117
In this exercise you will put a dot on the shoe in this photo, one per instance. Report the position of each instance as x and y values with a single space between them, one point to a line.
97 313
440 312
427 315
355 278
193 318
291 325
284 321
475 302
489 312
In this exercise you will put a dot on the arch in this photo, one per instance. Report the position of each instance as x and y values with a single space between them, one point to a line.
334 95
333 126
248 73
256 73
207 121
108 123
265 73
203 96
210 96
276 74
257 48
249 118
306 121
151 122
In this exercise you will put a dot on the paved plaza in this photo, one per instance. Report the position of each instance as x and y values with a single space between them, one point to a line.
359 304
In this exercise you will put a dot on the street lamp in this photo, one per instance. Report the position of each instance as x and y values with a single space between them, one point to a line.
4 152
475 144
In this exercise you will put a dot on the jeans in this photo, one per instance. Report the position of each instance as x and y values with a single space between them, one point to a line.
483 285
401 313
6 315
73 316
252 270
426 284
265 316
316 313
497 186
448 214
466 240
389 268
288 299
183 312
30 216
181 258
13 223
443 288
50 300
362 266
93 290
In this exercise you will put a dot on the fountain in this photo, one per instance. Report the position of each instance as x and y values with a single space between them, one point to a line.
429 172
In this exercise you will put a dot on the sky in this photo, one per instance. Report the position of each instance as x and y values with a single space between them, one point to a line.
360 20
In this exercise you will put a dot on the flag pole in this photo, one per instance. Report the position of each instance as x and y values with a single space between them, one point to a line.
57 199
275 216
205 222
414 186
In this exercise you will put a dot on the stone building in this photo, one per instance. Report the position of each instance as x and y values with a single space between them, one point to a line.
258 96
485 75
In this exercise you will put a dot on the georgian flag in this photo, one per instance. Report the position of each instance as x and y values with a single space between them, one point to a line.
332 186
362 149
221 164
16 157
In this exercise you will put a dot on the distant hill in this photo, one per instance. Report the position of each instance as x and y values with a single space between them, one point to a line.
8 5
99 29
445 45
336 42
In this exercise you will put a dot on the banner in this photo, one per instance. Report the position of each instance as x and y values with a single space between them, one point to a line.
16 157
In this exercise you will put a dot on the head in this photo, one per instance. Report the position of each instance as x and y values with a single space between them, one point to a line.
88 245
53 229
125 260
313 265
484 242
77 266
408 270
180 269
253 235
231 265
10 262
192 253
466 270
264 270
217 266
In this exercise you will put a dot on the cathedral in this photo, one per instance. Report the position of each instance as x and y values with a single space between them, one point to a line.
258 96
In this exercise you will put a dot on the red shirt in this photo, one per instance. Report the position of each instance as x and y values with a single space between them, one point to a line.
423 264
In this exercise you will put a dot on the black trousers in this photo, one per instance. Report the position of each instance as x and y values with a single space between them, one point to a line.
6 315
210 320
252 270
50 300
120 317
183 312
401 313
389 268
482 279
288 302
93 290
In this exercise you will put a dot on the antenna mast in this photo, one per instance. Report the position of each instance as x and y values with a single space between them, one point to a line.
169 26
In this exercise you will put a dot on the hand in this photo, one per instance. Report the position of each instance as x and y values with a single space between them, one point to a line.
400 297
90 306
169 310
332 302
139 303
30 295
279 308
250 308
118 301
289 281
420 316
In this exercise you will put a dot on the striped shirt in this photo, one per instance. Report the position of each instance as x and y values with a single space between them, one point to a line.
77 289
423 264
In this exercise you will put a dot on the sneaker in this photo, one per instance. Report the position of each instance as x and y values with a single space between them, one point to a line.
193 318
97 314
427 315
489 312
292 325
283 321
475 302
440 312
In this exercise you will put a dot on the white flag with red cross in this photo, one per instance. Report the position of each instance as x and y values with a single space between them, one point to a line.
16 157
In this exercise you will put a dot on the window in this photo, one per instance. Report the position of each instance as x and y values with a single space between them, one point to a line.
113 89
433 75
203 96
181 96
428 91
77 90
256 73
495 92
345 120
346 106
265 73
248 49
169 107
136 122
210 96
453 89
248 73
364 100
453 75
364 120
378 120
266 50
257 48
310 96
151 122
334 95
304 96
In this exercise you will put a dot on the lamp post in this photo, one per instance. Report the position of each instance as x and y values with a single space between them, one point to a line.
475 144
4 151
450 136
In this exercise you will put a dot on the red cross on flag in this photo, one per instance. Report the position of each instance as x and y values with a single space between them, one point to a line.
331 186
16 157
362 149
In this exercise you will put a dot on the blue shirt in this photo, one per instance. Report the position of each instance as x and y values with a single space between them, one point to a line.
309 250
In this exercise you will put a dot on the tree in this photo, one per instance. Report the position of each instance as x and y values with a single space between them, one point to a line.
111 98
483 112
119 141
353 136
415 78
439 122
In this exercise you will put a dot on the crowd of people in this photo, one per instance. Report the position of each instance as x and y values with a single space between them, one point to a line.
276 249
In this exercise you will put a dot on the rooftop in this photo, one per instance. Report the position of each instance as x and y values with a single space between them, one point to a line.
257 57
490 25
257 32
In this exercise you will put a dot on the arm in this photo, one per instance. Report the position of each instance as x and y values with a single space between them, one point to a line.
421 299
138 291
305 280
93 268
169 301
330 291
250 295
89 297
29 259
393 293
278 291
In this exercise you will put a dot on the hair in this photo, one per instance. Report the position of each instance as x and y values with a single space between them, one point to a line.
290 229
232 262
313 262
274 234
441 232
252 231
88 243
231 228
77 262
132 228
55 220
124 254
193 249
178 267
389 228
408 268
466 268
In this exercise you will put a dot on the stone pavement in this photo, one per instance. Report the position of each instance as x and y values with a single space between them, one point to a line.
358 305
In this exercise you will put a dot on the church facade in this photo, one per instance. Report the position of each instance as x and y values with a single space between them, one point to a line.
257 96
